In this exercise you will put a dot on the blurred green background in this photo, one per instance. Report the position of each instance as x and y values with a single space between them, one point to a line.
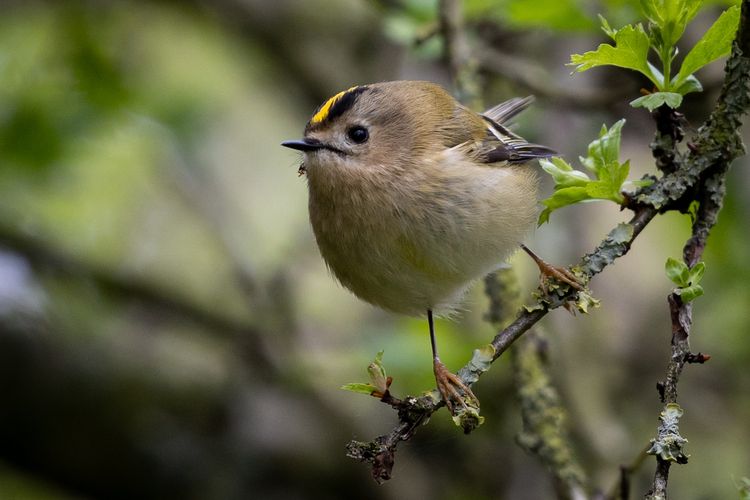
168 329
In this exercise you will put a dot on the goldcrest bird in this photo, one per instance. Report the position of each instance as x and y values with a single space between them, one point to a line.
413 197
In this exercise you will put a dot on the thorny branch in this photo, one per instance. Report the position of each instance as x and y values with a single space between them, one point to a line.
717 144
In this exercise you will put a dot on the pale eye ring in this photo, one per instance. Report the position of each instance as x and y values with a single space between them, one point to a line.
358 134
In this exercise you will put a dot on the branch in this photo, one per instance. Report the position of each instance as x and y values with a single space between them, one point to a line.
718 143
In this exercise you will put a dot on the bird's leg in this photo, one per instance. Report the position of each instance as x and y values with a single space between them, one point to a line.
448 383
559 273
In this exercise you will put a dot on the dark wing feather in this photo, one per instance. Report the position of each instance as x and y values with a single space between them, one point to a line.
494 142
506 110
503 146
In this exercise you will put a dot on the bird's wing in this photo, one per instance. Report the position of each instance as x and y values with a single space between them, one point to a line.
500 146
506 110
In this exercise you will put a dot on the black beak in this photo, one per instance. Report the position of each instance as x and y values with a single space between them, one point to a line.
304 145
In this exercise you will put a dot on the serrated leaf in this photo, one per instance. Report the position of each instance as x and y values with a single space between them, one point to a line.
653 101
715 43
630 51
359 388
677 272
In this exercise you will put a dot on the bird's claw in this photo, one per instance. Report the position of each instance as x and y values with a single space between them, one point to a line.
547 270
451 386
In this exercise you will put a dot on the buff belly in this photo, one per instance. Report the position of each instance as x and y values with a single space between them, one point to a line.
409 251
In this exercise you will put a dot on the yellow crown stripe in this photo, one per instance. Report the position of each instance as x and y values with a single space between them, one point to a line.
322 113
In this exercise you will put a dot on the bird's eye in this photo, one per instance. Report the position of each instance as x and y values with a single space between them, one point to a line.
358 134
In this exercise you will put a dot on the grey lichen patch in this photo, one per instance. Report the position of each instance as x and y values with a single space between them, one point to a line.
614 246
668 444
480 362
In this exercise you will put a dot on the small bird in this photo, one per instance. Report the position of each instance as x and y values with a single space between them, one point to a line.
413 197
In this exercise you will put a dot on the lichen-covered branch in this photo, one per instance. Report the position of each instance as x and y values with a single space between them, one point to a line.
716 145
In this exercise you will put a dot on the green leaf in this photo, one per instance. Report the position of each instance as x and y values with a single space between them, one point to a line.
572 186
677 272
689 292
690 84
669 18
696 273
379 382
561 198
630 51
715 43
653 101
605 150
376 371
658 76
562 173
686 279
359 388
606 28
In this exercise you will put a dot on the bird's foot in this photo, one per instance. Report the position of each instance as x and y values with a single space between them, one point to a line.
547 270
451 388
